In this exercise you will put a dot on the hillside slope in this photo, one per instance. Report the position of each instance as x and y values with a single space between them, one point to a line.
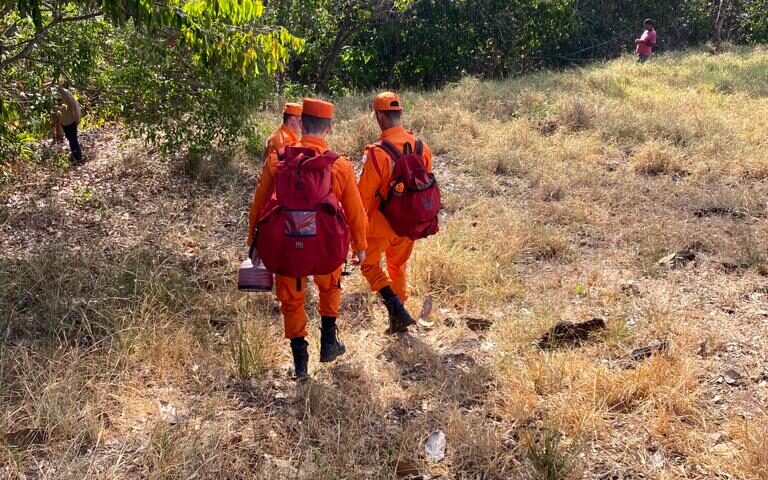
124 337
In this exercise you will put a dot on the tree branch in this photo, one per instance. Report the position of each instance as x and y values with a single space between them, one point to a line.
41 34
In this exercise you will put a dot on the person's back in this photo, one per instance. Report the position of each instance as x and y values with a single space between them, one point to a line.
69 108
374 185
290 290
68 112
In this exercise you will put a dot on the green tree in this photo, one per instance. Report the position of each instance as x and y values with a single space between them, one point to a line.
225 43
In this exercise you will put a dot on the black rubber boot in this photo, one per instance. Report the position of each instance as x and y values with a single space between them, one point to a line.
330 346
399 318
299 348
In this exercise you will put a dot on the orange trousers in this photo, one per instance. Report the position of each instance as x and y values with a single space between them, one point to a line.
292 300
397 251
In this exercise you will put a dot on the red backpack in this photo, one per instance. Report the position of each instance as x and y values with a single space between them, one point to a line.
303 230
413 202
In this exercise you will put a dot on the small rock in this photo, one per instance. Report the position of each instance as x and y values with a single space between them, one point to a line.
657 460
732 377
570 333
435 445
168 412
678 259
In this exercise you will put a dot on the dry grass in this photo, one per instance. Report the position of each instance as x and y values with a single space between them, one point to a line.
126 351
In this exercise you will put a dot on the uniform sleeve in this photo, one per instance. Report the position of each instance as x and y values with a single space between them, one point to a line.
273 144
370 181
427 157
353 209
263 190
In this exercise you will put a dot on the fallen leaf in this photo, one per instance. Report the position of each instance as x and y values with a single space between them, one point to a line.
168 412
426 312
435 445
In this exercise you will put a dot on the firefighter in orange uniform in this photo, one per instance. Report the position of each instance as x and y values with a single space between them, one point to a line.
374 185
289 131
316 125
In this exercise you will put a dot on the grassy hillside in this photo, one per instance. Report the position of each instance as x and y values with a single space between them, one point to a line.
128 353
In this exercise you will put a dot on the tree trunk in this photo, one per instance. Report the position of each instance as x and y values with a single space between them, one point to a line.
719 24
329 60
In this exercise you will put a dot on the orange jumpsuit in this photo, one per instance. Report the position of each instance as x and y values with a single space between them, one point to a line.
281 137
329 286
381 237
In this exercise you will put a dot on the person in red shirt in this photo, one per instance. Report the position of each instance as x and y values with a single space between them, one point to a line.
647 42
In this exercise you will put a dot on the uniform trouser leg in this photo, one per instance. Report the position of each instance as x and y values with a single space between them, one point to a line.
397 250
397 254
329 289
291 292
371 267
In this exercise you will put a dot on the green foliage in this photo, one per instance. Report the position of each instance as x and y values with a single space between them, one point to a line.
248 346
755 21
546 457
355 44
184 74
172 101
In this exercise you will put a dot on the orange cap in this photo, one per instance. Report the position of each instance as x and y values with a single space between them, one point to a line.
292 109
318 108
387 101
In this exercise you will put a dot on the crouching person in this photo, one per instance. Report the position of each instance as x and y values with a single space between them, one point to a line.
305 212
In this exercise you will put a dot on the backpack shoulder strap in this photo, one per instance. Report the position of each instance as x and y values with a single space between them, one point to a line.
331 154
419 147
389 148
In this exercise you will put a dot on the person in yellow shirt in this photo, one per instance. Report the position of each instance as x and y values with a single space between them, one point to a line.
68 113
289 131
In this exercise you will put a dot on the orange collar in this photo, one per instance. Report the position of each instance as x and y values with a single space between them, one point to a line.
291 135
390 132
317 143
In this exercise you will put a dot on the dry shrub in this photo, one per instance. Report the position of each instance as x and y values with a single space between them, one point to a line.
445 128
351 136
575 114
472 257
504 149
749 447
656 386
655 159
60 399
546 243
549 191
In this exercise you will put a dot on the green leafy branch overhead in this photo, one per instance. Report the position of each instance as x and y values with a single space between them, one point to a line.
226 33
